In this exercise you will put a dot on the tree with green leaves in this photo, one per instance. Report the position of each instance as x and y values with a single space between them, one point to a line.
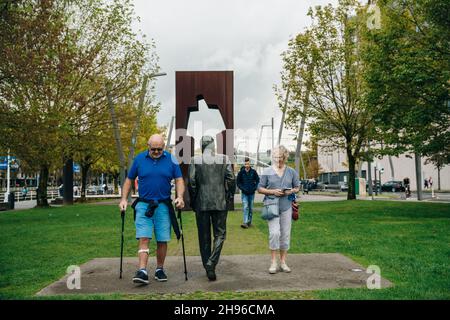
439 160
30 42
324 72
58 58
107 161
407 75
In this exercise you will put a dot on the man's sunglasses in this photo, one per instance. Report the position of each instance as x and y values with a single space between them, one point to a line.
156 149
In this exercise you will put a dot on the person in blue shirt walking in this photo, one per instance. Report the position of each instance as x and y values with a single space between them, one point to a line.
156 169
247 180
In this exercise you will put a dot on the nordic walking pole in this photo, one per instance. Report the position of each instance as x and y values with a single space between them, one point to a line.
182 244
122 214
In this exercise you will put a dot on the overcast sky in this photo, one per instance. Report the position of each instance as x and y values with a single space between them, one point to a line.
246 37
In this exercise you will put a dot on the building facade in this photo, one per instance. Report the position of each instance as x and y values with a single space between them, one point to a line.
334 169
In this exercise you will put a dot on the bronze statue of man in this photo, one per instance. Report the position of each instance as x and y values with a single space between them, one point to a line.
211 183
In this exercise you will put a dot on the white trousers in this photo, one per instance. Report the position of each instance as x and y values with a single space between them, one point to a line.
280 231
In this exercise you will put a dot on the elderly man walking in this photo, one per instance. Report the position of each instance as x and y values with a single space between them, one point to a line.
211 184
154 211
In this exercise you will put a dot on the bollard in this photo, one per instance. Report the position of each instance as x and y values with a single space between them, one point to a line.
11 200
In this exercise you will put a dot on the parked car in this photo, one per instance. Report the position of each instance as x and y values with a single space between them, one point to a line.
393 186
308 185
343 186
332 186
321 186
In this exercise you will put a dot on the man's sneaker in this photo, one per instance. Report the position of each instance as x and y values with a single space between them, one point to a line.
244 225
273 267
284 267
141 277
160 275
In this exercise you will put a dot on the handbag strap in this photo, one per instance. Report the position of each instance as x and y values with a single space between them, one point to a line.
284 176
281 186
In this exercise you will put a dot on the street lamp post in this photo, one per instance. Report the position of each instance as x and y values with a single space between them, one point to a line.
137 121
259 139
8 176
280 132
272 133
135 128
375 174
380 171
170 133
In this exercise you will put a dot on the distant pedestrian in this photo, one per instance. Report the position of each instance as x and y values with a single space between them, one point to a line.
60 187
406 182
430 182
247 180
24 192
75 190
426 183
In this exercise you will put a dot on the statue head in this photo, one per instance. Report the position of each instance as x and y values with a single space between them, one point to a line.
207 142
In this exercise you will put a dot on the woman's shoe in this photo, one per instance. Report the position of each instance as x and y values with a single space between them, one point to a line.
284 267
273 267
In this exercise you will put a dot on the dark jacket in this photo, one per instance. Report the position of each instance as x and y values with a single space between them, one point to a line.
211 182
247 181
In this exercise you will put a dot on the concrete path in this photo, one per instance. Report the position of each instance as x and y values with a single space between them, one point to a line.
234 273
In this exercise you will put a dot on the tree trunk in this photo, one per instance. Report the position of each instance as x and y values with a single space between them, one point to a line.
117 138
439 178
418 175
137 122
42 188
302 128
280 132
305 175
391 164
351 195
298 152
116 182
369 177
68 182
84 175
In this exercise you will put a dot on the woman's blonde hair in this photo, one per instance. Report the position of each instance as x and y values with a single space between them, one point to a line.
281 150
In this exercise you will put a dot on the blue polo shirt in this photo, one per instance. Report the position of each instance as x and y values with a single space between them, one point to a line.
155 175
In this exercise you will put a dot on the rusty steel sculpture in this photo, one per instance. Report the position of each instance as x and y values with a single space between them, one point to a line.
216 88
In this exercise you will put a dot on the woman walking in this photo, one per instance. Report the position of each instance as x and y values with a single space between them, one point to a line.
279 182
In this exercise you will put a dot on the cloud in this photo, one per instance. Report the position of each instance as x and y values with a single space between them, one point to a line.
244 36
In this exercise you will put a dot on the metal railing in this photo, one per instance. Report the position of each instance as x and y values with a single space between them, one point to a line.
52 194
30 195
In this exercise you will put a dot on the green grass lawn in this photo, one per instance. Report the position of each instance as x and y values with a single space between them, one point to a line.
408 241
